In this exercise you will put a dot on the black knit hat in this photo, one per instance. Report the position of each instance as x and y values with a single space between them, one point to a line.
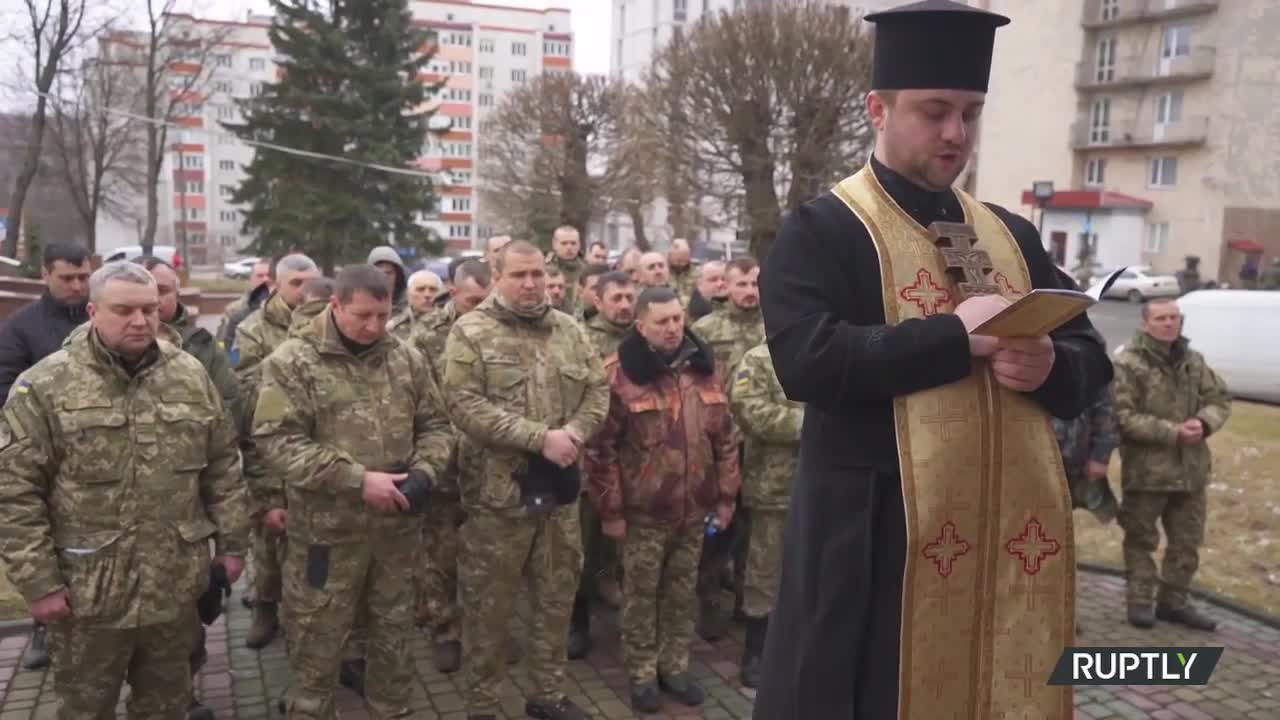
934 45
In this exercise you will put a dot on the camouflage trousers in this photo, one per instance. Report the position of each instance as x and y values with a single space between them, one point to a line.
1183 517
499 552
764 561
439 571
327 588
90 664
600 559
268 557
659 597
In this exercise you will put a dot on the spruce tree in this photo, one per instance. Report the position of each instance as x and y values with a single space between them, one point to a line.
348 85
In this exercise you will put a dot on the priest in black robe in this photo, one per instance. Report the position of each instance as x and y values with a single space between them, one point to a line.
832 652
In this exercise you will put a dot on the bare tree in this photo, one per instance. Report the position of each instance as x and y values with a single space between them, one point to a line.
761 109
544 161
99 149
54 27
174 58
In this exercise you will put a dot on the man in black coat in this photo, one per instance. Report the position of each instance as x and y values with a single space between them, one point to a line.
38 330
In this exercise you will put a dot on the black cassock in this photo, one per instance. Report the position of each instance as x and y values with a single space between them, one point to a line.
832 647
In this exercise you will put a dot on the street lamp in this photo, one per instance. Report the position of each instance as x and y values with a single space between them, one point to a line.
1042 191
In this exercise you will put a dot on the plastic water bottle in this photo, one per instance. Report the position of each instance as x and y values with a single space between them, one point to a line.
711 524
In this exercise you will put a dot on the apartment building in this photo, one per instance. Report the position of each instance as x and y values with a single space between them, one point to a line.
484 51
1155 120
203 163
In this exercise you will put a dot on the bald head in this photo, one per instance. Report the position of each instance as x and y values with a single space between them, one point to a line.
652 270
678 256
711 282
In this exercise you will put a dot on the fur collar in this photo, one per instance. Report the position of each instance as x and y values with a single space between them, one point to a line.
642 365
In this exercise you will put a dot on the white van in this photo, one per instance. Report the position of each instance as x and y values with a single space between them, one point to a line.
1238 332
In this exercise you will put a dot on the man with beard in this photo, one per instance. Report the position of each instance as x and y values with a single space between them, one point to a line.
929 493
682 273
710 293
665 460
600 567
35 332
565 246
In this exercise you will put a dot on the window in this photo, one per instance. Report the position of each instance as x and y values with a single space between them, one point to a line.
189 109
486 72
458 38
222 60
226 164
461 204
1095 171
226 191
518 76
224 139
486 45
1100 121
1164 172
485 100
459 66
1110 9
195 187
459 95
461 177
193 162
223 86
1169 108
459 231
551 47
255 89
1176 42
257 64
679 10
1106 68
194 214
519 49
195 238
227 216
1157 238
225 112
227 240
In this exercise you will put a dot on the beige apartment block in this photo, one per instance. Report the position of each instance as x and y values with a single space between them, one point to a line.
1158 122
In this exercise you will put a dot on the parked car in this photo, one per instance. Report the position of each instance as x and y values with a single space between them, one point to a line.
167 253
1225 326
1139 282
239 269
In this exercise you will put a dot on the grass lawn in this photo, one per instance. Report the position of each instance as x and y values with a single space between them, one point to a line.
218 284
1241 555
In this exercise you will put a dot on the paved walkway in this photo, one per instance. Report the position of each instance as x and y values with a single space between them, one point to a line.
239 683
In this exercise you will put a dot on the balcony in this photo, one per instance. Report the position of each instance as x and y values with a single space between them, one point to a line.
1130 72
1130 12
1188 132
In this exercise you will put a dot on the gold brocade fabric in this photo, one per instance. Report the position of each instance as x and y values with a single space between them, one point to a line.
989 584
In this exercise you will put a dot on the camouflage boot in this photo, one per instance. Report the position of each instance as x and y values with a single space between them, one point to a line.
266 624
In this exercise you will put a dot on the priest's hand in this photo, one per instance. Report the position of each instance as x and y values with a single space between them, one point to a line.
616 529
975 311
1022 364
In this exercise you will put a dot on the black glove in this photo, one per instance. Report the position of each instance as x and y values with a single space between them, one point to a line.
210 604
545 486
417 490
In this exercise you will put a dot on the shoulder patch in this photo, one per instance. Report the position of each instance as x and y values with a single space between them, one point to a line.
272 405
742 377
22 387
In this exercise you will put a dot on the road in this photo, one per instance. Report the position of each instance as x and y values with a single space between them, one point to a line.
1116 320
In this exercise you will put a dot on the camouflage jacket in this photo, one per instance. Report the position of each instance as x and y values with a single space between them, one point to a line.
256 338
571 269
770 426
114 484
682 281
507 381
200 343
1091 437
731 333
400 325
668 451
1156 390
604 335
325 416
302 315
430 334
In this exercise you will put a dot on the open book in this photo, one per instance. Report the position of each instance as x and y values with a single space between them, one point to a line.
1042 311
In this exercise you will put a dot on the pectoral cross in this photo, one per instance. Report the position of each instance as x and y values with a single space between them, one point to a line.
967 265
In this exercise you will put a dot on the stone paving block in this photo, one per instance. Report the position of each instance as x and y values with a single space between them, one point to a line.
1093 710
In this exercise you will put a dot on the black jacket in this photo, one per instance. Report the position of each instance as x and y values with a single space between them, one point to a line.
32 333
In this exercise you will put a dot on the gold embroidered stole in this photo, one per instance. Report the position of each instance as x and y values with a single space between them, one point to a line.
989 585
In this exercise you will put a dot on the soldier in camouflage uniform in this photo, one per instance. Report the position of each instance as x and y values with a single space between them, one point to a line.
344 411
557 295
652 271
770 425
317 293
522 383
1086 443
564 256
118 465
261 283
1167 402
256 338
438 594
386 259
666 458
730 333
683 276
710 294
601 571
588 289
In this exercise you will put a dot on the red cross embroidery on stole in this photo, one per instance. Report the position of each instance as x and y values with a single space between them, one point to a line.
948 547
1003 281
1033 546
925 293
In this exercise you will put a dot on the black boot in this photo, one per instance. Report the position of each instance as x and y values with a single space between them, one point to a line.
753 650
580 628
351 674
282 702
198 710
36 655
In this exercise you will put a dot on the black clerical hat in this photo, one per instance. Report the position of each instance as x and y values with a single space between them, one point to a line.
935 45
